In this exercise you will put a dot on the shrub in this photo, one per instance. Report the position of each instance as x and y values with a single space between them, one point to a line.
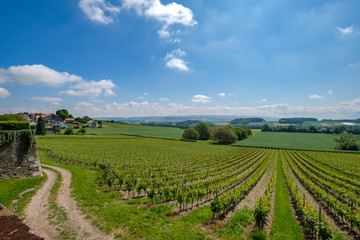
14 125
69 131
204 130
191 133
223 135
346 141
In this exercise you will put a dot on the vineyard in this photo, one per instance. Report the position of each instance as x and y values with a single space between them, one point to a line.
203 184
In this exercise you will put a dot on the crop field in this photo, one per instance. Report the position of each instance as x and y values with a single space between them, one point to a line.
146 131
164 189
301 141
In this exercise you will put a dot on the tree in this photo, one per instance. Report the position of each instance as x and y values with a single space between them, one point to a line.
40 126
346 141
224 135
100 123
266 128
191 134
11 117
63 113
313 129
204 130
339 129
81 131
242 132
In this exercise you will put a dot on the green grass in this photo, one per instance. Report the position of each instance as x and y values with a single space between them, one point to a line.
234 229
11 188
146 131
303 141
284 224
137 217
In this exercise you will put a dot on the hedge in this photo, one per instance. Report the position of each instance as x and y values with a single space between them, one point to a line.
14 125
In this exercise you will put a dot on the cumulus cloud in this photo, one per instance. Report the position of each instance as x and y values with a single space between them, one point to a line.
315 96
346 31
4 93
168 14
221 94
36 74
91 89
51 100
173 60
201 99
99 11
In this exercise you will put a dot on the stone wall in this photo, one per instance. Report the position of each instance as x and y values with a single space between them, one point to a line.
19 158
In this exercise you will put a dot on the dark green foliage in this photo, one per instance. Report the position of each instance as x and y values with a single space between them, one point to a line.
14 125
69 131
186 124
12 135
242 132
346 141
11 117
204 130
266 128
62 113
84 119
100 123
296 120
81 131
246 120
40 127
257 235
224 135
191 133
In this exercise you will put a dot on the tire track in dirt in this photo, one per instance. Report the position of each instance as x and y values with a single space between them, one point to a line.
37 211
77 221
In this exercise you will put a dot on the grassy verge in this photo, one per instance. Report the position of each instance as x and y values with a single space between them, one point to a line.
133 219
284 223
11 188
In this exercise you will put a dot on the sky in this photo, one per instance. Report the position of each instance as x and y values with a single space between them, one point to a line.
126 58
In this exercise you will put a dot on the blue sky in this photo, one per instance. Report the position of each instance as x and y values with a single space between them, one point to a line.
270 58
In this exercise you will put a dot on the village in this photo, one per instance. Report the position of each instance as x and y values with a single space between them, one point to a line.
54 123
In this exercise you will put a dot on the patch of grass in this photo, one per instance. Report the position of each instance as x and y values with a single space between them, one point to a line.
11 188
257 235
284 224
302 141
238 222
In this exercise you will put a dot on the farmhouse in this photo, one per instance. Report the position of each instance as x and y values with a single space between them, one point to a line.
91 123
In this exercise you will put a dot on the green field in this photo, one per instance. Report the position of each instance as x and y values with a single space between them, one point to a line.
305 141
146 131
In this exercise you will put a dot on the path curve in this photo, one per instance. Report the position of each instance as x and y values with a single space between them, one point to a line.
37 211
76 219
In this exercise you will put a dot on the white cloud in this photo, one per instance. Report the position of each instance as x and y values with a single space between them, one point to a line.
169 14
354 64
36 74
315 96
92 88
164 99
99 10
201 99
262 100
346 31
4 93
51 100
221 94
173 60
330 91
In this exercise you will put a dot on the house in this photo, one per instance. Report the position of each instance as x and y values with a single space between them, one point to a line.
52 118
60 124
69 120
91 124
50 130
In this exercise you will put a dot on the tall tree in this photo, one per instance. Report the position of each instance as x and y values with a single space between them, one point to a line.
346 141
40 127
62 113
204 130
191 133
224 135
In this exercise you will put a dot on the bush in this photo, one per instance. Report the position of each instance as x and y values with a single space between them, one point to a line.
69 131
242 132
81 131
224 135
346 141
12 117
191 133
14 125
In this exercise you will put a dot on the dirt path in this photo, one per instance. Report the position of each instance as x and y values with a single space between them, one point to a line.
76 222
37 211
315 204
